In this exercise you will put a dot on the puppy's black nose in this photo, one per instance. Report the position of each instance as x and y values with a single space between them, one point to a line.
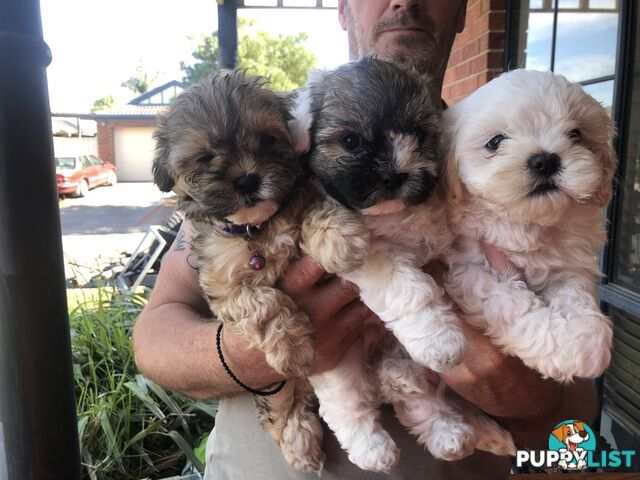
544 164
247 183
583 434
393 180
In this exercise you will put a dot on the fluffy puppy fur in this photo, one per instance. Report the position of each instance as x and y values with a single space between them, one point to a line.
372 130
530 166
225 150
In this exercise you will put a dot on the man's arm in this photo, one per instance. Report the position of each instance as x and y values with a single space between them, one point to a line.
174 337
516 396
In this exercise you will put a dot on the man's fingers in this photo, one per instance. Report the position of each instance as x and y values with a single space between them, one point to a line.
331 297
300 276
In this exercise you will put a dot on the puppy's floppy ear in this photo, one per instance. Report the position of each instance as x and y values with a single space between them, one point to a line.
560 433
161 176
450 172
609 161
304 109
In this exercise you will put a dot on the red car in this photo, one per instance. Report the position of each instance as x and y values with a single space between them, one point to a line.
76 175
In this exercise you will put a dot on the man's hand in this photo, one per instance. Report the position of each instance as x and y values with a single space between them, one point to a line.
174 338
338 316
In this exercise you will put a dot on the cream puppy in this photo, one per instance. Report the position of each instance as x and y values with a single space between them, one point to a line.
529 170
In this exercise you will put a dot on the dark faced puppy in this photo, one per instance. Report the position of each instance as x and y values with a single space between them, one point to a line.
224 148
374 136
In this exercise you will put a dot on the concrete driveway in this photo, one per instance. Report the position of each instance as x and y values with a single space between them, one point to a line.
99 228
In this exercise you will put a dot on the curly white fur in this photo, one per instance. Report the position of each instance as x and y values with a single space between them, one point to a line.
550 317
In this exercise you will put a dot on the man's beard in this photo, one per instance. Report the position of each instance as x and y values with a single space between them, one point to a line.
424 55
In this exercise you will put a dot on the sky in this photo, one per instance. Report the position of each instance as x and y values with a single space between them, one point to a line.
98 44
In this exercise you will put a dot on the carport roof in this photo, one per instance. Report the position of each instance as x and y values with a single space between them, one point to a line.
131 112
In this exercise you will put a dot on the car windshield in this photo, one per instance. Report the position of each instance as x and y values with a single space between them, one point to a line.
65 162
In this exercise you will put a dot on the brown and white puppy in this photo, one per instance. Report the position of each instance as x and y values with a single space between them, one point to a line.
372 132
225 150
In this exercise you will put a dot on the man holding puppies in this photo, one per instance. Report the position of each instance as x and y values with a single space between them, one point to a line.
174 338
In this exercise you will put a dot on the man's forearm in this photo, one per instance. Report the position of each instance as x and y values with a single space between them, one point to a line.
577 401
176 348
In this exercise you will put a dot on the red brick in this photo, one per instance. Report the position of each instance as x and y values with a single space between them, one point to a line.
457 90
497 20
462 70
471 49
474 11
470 84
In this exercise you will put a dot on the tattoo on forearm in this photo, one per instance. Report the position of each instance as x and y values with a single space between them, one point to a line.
180 243
191 261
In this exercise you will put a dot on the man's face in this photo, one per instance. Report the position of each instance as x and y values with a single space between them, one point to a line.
414 32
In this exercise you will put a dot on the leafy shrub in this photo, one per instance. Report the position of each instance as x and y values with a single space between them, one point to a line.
129 427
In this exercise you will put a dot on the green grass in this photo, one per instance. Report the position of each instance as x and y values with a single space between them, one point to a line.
129 427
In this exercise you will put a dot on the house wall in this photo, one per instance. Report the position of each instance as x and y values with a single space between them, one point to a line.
72 146
478 52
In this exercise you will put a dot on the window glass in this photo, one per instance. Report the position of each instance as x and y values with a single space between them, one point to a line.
85 162
586 45
607 4
567 4
536 34
65 162
94 160
603 92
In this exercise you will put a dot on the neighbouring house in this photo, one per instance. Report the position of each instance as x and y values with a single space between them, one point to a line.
125 133
73 136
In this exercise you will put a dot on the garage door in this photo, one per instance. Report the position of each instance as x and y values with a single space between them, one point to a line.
134 153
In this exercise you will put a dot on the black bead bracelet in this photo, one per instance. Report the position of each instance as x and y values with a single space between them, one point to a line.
262 393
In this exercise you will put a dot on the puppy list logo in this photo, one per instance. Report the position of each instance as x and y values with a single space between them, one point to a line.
572 446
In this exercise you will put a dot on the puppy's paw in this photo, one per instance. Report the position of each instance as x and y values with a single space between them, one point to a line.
440 351
336 238
587 355
289 344
451 439
398 378
302 442
377 453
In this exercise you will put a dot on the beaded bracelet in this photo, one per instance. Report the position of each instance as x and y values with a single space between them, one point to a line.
261 393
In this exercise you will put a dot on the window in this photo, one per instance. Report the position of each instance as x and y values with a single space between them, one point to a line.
597 44
93 160
575 38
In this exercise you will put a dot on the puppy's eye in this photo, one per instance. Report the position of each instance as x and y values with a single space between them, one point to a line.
351 142
205 159
267 142
575 134
495 142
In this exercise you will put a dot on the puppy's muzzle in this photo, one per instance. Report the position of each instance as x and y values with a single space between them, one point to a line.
544 164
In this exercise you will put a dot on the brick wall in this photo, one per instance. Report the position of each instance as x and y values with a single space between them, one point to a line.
478 52
106 140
